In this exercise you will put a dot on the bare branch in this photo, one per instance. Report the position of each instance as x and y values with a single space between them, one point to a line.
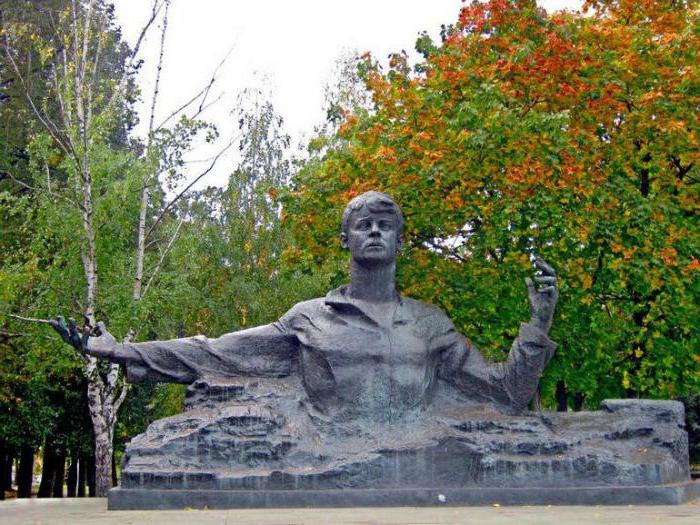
180 109
122 395
162 257
155 9
203 93
92 85
11 335
213 77
31 319
187 104
62 108
201 108
145 194
187 188
74 25
48 177
87 22
159 69
48 191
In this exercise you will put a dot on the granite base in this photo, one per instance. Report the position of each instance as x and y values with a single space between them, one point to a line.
140 499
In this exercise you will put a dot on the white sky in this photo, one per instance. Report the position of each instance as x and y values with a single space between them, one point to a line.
286 48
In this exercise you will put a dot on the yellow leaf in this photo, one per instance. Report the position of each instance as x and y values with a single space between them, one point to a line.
625 380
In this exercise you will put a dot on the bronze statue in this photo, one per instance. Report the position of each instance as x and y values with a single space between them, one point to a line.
363 350
368 398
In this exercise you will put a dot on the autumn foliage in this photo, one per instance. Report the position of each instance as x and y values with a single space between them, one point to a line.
572 136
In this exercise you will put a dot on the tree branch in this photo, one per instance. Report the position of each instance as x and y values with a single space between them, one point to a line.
48 191
203 93
155 9
162 257
145 193
159 68
122 395
682 170
44 119
30 319
187 188
11 335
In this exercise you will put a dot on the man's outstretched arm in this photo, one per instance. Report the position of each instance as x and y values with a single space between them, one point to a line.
264 351
511 384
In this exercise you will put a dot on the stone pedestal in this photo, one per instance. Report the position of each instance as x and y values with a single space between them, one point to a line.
259 443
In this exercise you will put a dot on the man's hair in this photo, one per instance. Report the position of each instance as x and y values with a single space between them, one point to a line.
374 201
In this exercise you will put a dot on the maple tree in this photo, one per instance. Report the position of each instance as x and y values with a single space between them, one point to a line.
573 136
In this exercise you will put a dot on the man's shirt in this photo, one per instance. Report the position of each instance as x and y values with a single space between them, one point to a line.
352 363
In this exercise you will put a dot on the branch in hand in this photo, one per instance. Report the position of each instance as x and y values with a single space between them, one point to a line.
71 334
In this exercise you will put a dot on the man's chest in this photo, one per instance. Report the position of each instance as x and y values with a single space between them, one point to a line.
355 340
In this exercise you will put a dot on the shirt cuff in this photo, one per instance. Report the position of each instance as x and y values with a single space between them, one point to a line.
533 336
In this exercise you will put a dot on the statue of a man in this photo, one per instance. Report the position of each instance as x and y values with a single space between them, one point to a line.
362 350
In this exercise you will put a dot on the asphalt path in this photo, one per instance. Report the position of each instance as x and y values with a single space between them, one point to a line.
79 511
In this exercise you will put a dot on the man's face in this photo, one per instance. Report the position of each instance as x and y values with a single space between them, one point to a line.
372 237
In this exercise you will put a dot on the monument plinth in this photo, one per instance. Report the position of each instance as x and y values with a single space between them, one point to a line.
259 443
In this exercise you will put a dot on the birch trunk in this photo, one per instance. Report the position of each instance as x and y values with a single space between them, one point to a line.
98 391
104 397
74 95
146 192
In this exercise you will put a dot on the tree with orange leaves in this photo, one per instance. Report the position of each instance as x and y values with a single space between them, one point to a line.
571 136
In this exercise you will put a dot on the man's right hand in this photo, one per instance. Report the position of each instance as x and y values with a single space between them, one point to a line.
103 345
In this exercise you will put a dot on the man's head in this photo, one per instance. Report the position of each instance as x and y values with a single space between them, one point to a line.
371 228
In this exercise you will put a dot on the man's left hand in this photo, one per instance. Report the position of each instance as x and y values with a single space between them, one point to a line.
544 299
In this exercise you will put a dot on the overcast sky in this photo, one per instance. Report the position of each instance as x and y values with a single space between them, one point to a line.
286 48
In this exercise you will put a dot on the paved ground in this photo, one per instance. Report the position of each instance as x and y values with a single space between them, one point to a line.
94 511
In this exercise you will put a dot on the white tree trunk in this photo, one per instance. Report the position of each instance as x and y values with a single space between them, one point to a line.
103 401
146 191
105 393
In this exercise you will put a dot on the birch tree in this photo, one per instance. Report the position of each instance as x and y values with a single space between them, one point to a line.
87 106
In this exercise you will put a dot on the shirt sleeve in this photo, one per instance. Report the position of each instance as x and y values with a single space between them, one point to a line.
264 351
511 384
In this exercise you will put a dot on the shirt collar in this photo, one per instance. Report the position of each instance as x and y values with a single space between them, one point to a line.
338 298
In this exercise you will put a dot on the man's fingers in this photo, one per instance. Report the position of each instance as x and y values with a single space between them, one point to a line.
544 267
530 286
546 279
72 328
59 324
548 289
75 335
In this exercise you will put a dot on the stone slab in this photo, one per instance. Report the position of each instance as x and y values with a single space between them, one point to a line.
672 494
